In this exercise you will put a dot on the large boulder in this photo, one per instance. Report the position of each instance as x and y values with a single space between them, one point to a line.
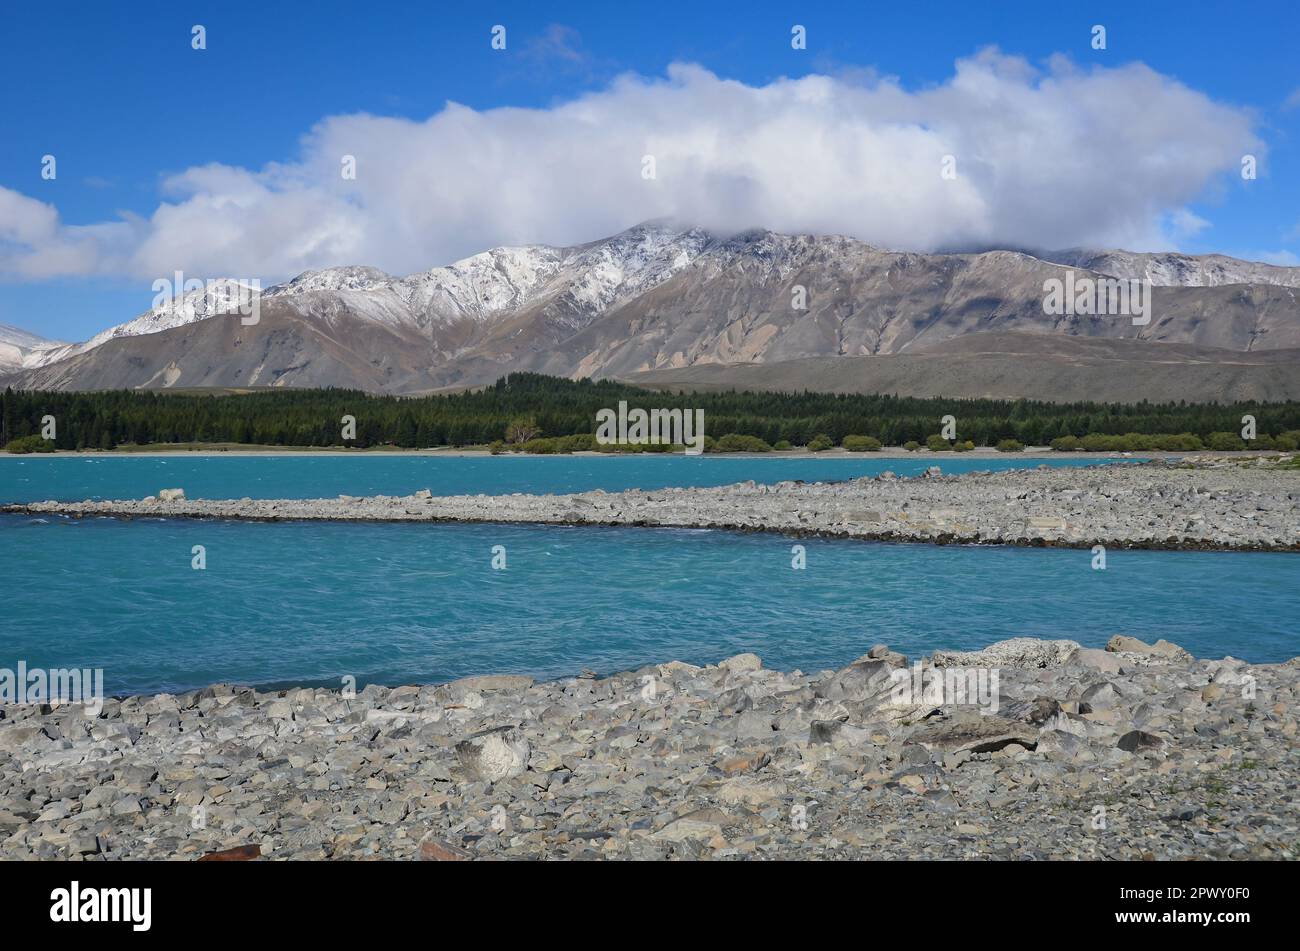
1101 696
171 495
741 663
494 755
701 824
1027 653
434 849
486 683
1108 662
1137 741
973 733
1123 644
858 681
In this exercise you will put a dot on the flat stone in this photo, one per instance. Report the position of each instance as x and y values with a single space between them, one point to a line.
490 682
1017 652
239 853
433 849
744 764
1135 741
741 662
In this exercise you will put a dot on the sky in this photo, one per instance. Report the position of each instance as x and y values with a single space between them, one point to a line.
395 135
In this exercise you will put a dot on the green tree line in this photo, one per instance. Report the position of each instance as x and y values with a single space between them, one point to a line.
560 407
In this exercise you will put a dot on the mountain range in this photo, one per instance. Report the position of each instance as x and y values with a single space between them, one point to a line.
673 306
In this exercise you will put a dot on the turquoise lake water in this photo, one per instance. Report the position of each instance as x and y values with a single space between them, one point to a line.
292 603
73 478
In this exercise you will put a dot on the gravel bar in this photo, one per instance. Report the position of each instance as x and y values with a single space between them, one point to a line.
1152 505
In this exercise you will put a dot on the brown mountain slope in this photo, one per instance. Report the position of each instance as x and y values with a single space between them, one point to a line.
874 306
286 348
1015 366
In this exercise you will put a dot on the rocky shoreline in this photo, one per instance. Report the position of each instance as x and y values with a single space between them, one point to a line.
1055 752
1160 505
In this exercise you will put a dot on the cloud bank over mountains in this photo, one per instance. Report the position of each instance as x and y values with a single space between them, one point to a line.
1044 158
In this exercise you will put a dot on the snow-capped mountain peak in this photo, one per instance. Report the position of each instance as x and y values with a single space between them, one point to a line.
17 337
347 278
20 349
214 297
481 285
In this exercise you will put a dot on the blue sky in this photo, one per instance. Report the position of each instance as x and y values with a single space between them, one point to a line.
125 105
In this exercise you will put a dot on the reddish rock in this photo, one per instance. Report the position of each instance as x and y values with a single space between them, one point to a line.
240 853
437 850
744 764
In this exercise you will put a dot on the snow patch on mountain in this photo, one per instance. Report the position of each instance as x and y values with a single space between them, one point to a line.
629 264
480 286
17 337
350 278
1171 269
215 297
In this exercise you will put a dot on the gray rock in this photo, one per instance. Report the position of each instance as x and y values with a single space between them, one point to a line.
494 755
1136 741
741 662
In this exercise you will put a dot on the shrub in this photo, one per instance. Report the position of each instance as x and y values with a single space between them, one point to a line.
1182 442
28 444
820 443
1097 442
1225 442
782 445
735 442
937 443
581 442
861 443
1010 445
1286 442
1130 442
496 447
911 445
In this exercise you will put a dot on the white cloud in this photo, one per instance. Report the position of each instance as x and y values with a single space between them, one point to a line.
1292 101
1055 158
1185 223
